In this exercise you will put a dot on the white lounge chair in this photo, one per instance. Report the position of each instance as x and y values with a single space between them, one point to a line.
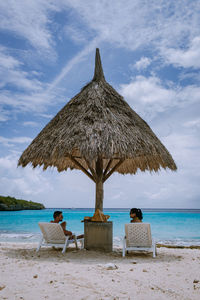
53 235
138 238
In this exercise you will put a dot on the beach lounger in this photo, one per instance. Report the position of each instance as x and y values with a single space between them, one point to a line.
53 235
138 238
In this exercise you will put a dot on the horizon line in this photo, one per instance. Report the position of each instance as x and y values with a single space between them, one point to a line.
125 208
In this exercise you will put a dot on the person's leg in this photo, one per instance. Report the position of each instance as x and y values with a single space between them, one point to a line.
71 237
80 236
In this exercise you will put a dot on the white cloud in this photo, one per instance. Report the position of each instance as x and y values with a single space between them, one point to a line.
30 94
171 190
148 96
75 60
28 102
169 28
49 187
21 90
185 58
20 182
76 34
14 140
12 74
192 124
164 192
131 26
6 61
185 149
30 123
7 163
46 116
136 24
142 64
29 20
4 115
166 189
189 94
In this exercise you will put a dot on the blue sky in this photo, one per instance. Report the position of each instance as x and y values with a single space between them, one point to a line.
150 55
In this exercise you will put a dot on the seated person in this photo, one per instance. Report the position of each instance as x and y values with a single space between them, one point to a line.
58 217
136 215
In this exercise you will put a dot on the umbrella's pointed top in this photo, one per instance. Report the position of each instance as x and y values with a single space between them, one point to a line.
98 72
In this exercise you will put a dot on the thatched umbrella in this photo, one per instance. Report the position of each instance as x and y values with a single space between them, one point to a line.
98 133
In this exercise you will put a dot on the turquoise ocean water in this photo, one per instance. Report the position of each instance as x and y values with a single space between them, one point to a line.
180 227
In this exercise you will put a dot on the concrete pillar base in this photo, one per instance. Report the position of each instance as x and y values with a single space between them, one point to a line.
98 236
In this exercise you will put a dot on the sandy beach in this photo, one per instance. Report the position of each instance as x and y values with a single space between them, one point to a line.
82 274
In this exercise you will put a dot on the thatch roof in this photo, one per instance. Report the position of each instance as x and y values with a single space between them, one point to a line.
98 123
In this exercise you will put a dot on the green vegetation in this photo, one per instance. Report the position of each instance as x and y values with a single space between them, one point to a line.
10 203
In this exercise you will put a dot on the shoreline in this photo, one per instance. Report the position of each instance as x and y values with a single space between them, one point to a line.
115 246
117 240
82 274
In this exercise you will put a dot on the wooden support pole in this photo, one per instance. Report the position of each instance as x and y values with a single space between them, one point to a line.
81 167
107 167
91 169
113 169
99 184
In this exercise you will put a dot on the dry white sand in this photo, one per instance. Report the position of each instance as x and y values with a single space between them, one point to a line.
82 274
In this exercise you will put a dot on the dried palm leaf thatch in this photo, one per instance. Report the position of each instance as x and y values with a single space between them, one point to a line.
98 133
98 122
